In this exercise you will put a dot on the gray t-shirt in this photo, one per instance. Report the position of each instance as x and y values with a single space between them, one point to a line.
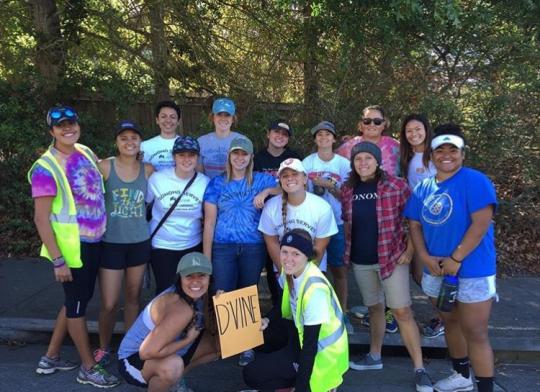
126 211
214 149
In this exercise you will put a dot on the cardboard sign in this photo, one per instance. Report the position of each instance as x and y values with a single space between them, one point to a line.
238 317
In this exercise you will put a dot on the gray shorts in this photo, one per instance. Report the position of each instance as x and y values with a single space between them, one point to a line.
374 290
470 290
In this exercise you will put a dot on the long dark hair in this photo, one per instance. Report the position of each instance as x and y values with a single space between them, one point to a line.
406 152
208 307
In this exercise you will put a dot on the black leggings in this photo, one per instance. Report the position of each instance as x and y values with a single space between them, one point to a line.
164 263
276 362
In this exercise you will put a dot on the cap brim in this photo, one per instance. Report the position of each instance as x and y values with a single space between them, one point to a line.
447 139
197 269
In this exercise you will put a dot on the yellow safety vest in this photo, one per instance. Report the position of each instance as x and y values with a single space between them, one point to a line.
332 358
63 216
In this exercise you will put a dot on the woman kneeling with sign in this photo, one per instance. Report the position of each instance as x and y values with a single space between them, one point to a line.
316 355
167 338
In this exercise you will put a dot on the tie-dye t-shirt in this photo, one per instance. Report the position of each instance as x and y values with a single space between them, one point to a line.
85 182
389 151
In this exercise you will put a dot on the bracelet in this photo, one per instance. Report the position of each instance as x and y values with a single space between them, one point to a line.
457 261
58 261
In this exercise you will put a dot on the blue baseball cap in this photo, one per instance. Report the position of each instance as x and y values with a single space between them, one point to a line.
224 105
127 125
57 114
186 144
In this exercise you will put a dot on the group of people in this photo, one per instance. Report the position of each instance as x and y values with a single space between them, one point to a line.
209 213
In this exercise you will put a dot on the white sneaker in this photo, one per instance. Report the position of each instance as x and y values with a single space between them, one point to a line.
455 383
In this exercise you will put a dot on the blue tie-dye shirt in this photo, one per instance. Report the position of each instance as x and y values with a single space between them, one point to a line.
237 218
86 186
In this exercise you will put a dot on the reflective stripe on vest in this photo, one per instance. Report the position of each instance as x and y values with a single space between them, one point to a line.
334 336
63 216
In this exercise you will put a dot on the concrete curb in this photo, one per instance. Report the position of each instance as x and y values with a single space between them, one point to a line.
38 330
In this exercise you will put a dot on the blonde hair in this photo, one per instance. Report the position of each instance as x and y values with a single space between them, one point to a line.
249 169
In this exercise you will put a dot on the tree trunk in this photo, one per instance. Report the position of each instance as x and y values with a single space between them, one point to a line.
160 52
311 77
50 49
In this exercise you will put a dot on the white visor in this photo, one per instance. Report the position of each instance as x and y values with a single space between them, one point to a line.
450 139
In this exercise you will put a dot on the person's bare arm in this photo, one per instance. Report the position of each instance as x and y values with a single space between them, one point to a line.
320 247
210 216
481 220
417 236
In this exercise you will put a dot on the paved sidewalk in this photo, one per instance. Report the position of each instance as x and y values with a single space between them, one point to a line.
30 300
17 373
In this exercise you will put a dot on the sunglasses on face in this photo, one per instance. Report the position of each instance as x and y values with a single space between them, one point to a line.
376 121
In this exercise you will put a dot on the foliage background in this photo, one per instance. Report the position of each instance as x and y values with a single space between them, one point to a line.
469 61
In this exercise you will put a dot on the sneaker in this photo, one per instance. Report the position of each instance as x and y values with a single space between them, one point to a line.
348 326
455 383
97 376
246 357
103 357
434 328
48 365
422 381
359 311
391 323
367 363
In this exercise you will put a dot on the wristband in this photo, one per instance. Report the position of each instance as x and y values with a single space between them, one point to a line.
58 261
457 261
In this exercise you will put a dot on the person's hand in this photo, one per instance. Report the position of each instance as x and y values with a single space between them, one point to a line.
450 267
264 323
433 264
259 199
406 257
63 274
192 333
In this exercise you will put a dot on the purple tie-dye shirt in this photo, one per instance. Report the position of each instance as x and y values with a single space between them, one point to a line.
85 182
389 151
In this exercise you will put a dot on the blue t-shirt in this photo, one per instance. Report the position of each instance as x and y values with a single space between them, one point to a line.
237 218
444 209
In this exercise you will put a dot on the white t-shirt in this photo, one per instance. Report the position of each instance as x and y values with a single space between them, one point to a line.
183 228
337 170
158 152
314 215
317 310
214 152
417 171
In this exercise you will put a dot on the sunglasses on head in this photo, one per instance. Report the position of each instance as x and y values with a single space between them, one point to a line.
62 112
376 121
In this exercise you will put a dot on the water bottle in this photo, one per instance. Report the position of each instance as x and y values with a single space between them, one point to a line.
448 293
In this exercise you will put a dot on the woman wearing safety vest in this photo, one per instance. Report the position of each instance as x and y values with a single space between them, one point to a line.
316 355
70 218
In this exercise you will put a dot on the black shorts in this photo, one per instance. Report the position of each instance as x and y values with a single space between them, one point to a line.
80 290
122 256
130 368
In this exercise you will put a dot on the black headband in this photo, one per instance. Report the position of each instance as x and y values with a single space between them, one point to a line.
295 240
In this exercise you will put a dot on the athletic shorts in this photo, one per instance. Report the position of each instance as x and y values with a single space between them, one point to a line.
80 290
470 290
122 256
395 289
336 248
131 367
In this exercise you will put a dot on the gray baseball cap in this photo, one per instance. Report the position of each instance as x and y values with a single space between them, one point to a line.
193 263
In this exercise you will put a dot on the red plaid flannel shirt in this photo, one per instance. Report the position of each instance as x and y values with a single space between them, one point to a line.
392 193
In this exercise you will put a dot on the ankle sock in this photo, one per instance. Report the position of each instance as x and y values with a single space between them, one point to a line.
462 366
376 357
484 384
